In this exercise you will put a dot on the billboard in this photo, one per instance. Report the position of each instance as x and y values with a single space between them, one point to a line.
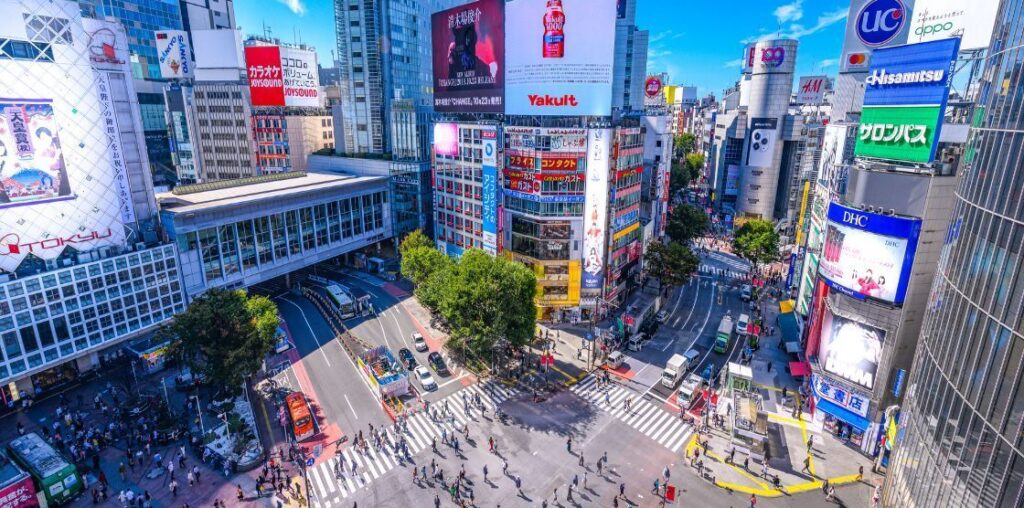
301 77
282 76
761 146
174 52
904 101
972 22
850 350
490 189
811 90
559 57
839 395
469 50
19 494
873 24
748 58
732 180
446 139
595 207
654 91
31 155
868 255
263 66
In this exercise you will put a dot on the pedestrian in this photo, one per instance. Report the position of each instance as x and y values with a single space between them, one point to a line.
622 490
568 444
753 501
581 459
746 463
807 464
191 479
584 478
238 493
810 442
485 473
860 472
831 493
174 488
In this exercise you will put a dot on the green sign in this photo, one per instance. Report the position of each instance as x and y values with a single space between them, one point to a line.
898 133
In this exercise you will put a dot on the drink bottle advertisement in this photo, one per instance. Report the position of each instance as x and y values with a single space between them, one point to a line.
559 57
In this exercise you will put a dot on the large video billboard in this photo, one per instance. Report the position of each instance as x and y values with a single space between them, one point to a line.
873 24
972 21
490 189
282 76
850 350
904 101
761 146
174 52
469 49
868 255
559 56
595 207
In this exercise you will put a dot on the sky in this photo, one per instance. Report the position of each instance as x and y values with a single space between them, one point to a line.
697 42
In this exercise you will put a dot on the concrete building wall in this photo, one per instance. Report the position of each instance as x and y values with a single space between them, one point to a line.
224 138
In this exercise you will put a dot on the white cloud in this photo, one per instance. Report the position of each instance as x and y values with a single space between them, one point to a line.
797 30
828 62
792 11
296 6
667 35
733 64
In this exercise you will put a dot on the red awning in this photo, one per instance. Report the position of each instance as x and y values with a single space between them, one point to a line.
800 368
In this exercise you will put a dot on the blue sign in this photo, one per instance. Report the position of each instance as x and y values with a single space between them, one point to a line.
547 198
897 385
879 21
911 75
309 462
490 189
453 251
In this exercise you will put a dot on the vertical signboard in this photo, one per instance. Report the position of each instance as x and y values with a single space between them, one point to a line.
873 24
266 84
559 57
490 189
174 53
595 207
811 90
761 146
468 45
969 20
732 180
113 137
300 77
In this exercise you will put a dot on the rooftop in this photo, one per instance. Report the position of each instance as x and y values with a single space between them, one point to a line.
9 472
205 197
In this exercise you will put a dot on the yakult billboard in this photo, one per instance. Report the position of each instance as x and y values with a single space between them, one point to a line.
559 56
469 49
282 76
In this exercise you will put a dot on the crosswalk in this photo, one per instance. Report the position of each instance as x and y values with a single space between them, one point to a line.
711 270
330 489
736 263
649 419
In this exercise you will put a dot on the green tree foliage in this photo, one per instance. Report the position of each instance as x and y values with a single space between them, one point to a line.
684 144
686 223
694 164
225 335
420 262
671 263
679 178
414 240
757 241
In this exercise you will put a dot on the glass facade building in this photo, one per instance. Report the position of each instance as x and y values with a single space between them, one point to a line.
961 432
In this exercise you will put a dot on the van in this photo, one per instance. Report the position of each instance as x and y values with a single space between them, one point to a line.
746 293
741 324
615 360
636 342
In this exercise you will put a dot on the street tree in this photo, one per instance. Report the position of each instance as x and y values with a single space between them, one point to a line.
225 335
679 178
414 240
757 241
419 263
694 164
686 223
672 264
684 144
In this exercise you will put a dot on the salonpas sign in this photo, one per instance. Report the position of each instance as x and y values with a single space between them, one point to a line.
905 133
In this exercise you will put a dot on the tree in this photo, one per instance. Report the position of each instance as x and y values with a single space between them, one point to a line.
420 262
671 263
686 223
684 143
414 240
757 241
694 164
225 335
679 178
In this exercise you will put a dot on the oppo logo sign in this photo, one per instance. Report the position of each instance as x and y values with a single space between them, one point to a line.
856 219
934 29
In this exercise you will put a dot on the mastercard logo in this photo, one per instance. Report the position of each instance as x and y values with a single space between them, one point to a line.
857 58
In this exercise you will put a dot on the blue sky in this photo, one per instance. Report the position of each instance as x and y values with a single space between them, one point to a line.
698 42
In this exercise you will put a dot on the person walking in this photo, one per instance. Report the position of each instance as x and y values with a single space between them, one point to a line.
753 501
485 473
174 488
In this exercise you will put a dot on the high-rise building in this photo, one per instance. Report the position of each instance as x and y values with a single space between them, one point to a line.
961 426
285 141
141 19
630 68
207 14
223 139
459 187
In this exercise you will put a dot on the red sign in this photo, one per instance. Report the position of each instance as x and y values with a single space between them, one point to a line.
559 164
521 162
266 83
652 86
550 100
20 494
11 242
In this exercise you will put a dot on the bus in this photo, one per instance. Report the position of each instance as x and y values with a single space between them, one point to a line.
52 474
341 300
302 419
724 336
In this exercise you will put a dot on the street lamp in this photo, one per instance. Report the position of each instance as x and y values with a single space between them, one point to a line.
199 411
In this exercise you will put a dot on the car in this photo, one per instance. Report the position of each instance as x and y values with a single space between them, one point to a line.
425 379
615 359
419 343
691 384
662 316
741 324
746 293
437 363
708 373
408 360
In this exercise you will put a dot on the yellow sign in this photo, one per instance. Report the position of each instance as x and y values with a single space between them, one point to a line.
624 232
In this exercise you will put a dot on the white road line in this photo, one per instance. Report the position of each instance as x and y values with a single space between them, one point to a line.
319 346
693 306
351 408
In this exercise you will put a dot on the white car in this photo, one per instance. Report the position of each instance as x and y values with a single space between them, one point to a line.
425 379
418 342
662 316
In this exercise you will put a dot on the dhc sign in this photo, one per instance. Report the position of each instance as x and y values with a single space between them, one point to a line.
855 219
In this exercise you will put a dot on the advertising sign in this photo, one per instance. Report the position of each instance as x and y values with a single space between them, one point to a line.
811 90
595 208
301 77
654 91
904 101
31 156
266 84
174 53
490 189
748 57
849 349
972 22
446 139
113 136
873 24
108 48
559 57
868 255
761 145
19 494
839 395
469 47
732 180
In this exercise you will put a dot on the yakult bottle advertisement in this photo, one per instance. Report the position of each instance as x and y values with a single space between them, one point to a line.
559 56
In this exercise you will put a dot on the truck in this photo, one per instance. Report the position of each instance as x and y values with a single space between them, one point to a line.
674 370
724 336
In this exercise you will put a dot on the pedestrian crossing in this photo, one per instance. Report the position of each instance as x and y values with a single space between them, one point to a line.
738 264
649 419
711 270
331 483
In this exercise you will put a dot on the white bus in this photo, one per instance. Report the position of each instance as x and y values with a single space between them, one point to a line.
341 300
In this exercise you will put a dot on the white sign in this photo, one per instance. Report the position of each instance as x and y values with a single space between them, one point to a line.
867 263
837 394
559 57
301 77
811 90
595 208
110 129
174 54
941 19
761 145
873 24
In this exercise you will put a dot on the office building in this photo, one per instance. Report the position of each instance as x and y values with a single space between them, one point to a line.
630 67
460 186
207 14
285 141
223 139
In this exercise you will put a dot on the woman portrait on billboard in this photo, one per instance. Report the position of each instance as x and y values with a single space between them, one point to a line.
869 286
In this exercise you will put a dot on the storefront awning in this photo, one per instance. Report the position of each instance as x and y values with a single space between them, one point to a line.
844 415
787 325
800 368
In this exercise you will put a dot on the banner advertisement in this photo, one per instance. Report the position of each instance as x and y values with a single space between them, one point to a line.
839 395
595 208
490 190
266 84
31 155
654 91
774 56
748 57
528 139
971 21
850 350
19 494
873 24
110 128
301 77
761 146
175 54
868 255
559 57
446 139
732 180
547 198
469 47
108 45
811 90
908 134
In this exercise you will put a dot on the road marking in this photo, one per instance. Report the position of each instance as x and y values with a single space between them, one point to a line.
688 316
351 408
319 346
701 332
450 381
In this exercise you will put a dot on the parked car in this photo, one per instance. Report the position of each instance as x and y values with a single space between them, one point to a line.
437 363
408 360
746 293
662 316
425 379
708 373
419 343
